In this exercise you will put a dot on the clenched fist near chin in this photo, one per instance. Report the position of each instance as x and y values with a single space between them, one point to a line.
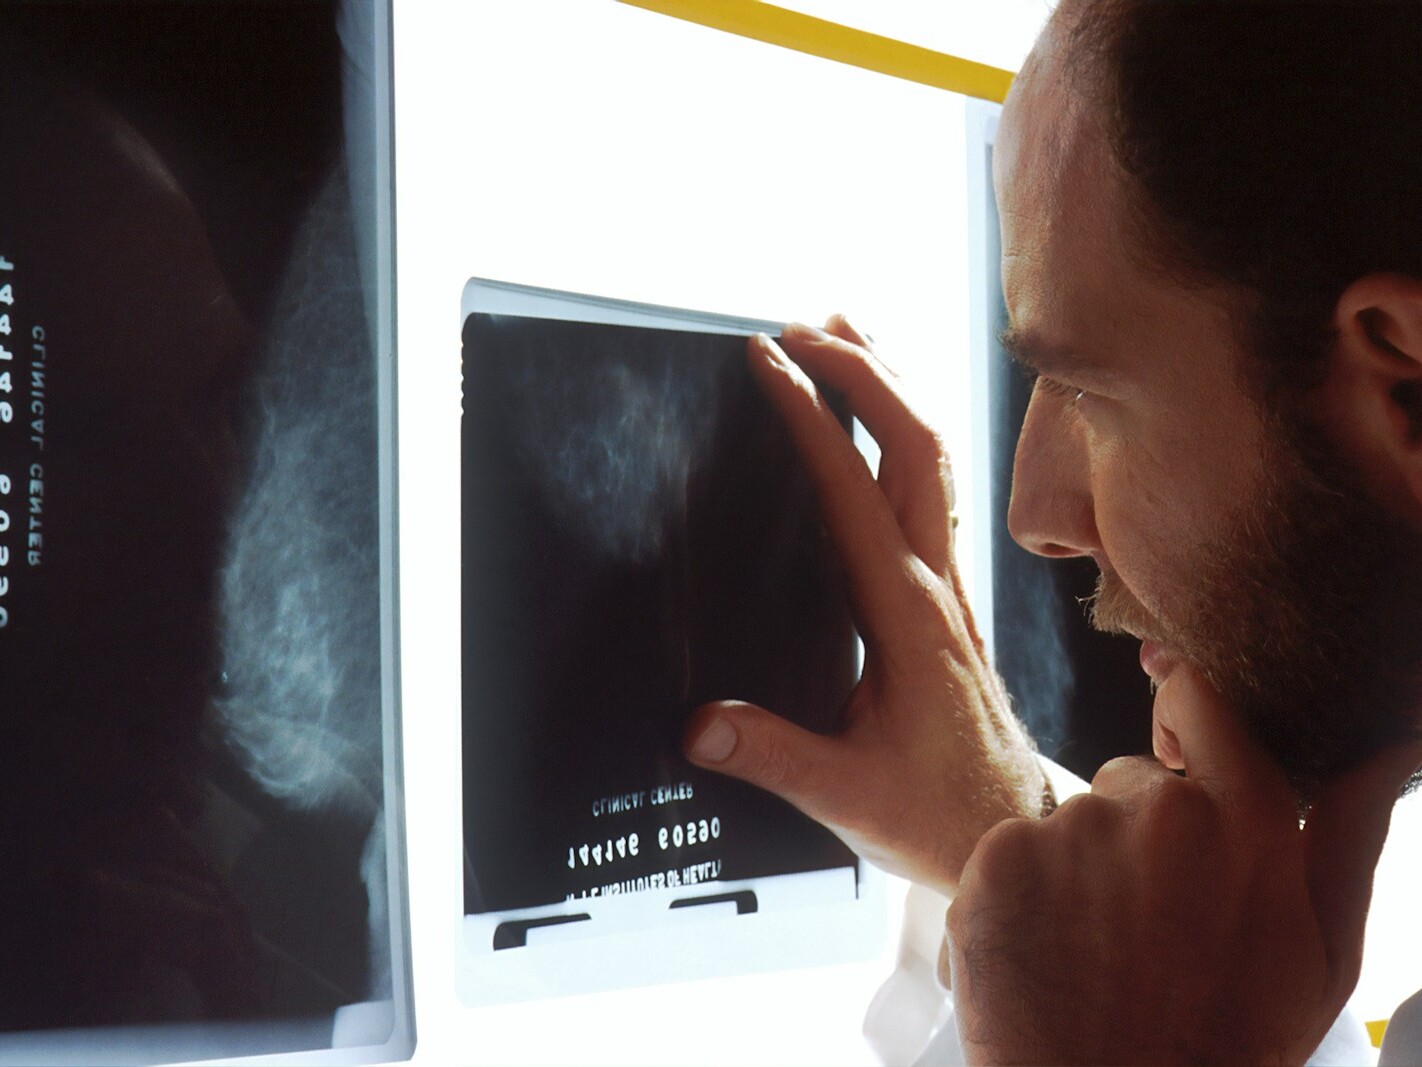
1168 919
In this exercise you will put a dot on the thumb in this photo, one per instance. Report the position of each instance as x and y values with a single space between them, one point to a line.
750 743
1343 838
1217 751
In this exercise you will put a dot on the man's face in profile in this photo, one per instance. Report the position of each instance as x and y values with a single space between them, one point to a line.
1226 535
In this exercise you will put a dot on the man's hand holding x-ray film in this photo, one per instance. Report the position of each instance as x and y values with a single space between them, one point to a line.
930 755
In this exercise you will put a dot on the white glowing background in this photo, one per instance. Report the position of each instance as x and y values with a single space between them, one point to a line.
588 146
597 148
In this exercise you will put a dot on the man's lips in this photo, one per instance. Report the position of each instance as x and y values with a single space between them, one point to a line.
1156 661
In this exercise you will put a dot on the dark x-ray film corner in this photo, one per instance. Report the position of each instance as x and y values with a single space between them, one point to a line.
194 787
638 539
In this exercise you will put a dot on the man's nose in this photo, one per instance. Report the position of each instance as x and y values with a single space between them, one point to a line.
1052 511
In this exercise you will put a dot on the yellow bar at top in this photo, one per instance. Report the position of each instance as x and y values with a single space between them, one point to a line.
830 40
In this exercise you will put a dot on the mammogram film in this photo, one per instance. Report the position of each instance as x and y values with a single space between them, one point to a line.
639 538
193 798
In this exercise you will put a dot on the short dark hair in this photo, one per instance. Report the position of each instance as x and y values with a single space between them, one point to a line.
1273 144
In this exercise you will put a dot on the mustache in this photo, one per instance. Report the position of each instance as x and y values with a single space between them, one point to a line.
1113 609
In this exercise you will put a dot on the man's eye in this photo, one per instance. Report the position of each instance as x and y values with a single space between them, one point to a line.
1069 393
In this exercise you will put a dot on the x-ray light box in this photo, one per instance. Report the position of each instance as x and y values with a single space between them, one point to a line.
639 538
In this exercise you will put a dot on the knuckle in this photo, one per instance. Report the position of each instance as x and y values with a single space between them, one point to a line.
924 440
959 922
1183 835
1006 854
935 628
922 446
1089 825
1182 808
857 360
927 601
867 373
1122 773
1087 814
768 763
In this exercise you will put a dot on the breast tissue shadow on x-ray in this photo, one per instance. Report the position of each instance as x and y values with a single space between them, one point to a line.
300 700
612 442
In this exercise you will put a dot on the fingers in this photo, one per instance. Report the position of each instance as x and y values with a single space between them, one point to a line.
877 558
752 744
1165 746
1343 839
838 325
1216 751
914 471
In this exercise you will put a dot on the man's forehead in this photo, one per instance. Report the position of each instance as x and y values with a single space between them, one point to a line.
1041 116
1059 198
1050 141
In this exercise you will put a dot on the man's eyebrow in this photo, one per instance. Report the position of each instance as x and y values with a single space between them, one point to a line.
1042 357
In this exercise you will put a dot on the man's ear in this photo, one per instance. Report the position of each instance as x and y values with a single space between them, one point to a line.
1373 394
